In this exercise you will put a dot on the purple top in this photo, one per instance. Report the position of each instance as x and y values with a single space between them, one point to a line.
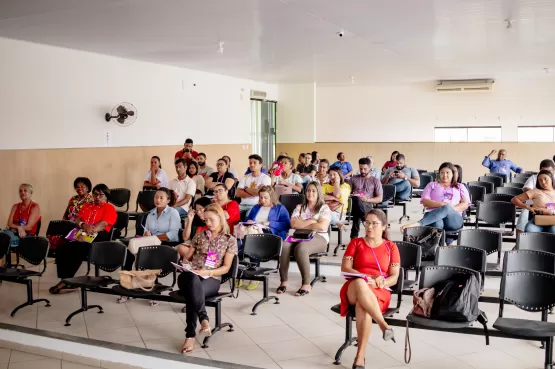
371 186
436 192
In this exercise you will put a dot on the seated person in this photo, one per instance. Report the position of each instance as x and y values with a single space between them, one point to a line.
300 160
312 214
184 188
373 171
543 202
83 187
379 259
315 159
366 192
391 162
287 179
322 174
194 223
204 169
215 240
221 175
24 216
230 207
501 165
156 177
187 148
230 169
94 218
530 184
336 195
445 202
270 212
193 173
345 166
249 185
306 169
403 178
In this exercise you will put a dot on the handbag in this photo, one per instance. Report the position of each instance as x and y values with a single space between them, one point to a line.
422 302
457 299
139 279
429 243
241 230
136 243
303 234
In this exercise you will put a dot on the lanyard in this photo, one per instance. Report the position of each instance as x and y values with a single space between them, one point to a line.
378 262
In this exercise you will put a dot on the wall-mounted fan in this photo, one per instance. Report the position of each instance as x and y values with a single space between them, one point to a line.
124 113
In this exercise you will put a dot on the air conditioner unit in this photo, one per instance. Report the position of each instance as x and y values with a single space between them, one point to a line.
465 85
258 95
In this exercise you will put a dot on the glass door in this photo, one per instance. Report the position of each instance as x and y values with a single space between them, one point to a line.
263 130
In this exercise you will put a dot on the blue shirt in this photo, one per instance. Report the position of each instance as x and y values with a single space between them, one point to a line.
167 223
346 167
263 170
501 166
280 223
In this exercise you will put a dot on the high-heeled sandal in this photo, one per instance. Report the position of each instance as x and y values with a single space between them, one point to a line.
389 335
185 349
360 366
281 290
205 329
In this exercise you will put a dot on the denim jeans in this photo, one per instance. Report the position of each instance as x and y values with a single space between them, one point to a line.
531 227
523 220
14 238
443 218
402 190
182 212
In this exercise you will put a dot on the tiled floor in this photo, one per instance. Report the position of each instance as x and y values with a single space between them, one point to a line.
298 333
11 359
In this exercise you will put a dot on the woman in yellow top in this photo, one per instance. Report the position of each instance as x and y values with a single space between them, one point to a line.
336 195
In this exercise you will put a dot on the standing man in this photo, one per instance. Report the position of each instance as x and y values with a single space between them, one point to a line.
187 146
204 170
501 165
366 191
249 185
183 187
402 177
345 166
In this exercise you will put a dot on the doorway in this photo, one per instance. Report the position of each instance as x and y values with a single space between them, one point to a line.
263 130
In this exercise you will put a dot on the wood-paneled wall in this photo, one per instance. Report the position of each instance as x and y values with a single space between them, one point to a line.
51 172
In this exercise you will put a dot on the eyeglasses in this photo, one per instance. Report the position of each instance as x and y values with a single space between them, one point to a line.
219 191
372 224
98 195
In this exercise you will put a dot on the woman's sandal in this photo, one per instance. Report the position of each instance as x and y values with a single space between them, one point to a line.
59 288
185 349
301 292
281 289
205 328
388 335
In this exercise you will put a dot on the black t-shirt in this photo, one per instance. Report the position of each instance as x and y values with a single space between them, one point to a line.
221 179
301 168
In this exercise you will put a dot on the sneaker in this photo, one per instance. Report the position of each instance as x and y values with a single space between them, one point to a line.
253 285
239 283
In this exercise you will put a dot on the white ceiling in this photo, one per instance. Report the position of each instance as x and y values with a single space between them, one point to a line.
386 41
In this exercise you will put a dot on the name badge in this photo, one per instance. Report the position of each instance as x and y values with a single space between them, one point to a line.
447 197
211 259
550 205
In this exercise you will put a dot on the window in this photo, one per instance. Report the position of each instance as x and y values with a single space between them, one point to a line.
467 134
536 134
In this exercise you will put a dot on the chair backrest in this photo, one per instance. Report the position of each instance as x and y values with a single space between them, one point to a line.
60 227
263 247
483 239
514 185
527 260
476 193
33 250
146 199
527 290
231 274
500 175
463 256
497 197
425 179
519 180
140 222
108 256
121 224
433 274
291 201
120 197
389 192
422 231
4 245
157 257
39 225
411 255
488 185
536 241
513 191
495 213
497 181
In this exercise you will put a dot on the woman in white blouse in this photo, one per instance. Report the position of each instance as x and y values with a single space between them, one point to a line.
193 173
156 177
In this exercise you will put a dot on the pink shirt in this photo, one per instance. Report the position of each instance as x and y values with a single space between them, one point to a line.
436 192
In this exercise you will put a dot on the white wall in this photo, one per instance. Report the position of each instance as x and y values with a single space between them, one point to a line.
409 113
296 115
56 98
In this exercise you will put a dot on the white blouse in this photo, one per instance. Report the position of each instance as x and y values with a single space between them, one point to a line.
161 176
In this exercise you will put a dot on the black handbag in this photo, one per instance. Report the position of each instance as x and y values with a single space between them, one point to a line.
456 299
429 243
303 234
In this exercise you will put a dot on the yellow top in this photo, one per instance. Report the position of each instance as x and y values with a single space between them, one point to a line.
327 188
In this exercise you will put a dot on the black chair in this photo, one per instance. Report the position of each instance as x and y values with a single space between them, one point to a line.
530 291
4 247
403 204
514 185
497 197
339 231
489 241
519 180
216 301
145 199
513 191
35 251
140 222
421 232
122 222
120 197
465 257
528 260
500 175
291 201
425 179
488 185
107 256
495 214
411 259
388 198
58 228
537 241
476 194
428 278
260 247
351 316
497 181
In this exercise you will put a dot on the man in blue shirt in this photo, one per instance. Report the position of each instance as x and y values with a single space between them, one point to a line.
345 166
501 165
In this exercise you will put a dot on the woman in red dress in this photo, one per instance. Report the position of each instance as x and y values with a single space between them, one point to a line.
378 258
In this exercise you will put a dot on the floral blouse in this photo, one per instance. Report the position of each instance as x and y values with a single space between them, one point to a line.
306 214
75 205
203 244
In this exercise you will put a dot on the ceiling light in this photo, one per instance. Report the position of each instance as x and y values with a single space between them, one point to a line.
220 47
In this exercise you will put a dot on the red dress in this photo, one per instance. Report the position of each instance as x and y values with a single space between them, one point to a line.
234 212
91 213
22 215
365 262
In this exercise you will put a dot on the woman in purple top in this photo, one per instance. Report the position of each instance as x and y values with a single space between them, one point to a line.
445 201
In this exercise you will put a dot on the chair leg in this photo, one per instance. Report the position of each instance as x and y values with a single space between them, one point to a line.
548 364
265 297
348 339
84 307
30 301
404 206
317 276
218 327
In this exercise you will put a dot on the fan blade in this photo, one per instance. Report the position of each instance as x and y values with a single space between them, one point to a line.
121 110
121 120
131 113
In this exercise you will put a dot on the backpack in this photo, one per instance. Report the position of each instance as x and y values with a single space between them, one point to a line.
456 299
429 243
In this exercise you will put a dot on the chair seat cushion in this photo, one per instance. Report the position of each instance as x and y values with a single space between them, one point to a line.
427 322
256 272
178 297
157 290
337 309
17 273
525 327
317 255
90 282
